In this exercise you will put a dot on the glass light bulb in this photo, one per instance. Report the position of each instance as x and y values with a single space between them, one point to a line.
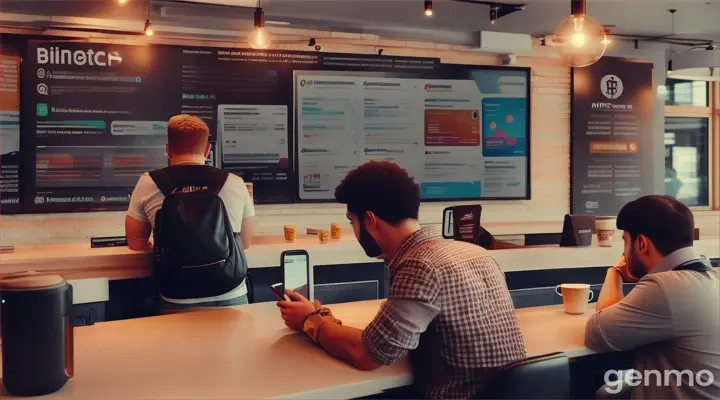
259 38
429 12
149 32
578 39
578 22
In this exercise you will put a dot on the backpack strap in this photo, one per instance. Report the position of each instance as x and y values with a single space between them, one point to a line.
698 266
163 181
218 181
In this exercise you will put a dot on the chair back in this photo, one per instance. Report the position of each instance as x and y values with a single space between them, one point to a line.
540 377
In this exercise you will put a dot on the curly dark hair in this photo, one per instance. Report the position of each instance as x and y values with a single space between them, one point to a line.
383 188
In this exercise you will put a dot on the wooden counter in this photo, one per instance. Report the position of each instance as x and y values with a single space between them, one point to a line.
79 261
247 352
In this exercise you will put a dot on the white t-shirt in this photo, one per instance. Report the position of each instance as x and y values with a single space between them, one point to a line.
147 199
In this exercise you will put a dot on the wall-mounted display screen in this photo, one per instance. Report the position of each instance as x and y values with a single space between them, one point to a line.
461 135
93 118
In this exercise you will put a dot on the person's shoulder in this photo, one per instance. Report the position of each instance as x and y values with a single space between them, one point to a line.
146 183
683 283
234 184
452 252
234 180
234 189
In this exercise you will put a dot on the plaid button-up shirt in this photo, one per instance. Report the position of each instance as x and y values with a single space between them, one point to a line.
450 308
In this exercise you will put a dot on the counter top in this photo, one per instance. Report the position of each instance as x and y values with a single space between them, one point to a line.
247 352
78 261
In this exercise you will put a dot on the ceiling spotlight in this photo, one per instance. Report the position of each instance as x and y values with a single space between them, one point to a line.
428 8
259 37
311 42
579 39
148 28
493 15
122 2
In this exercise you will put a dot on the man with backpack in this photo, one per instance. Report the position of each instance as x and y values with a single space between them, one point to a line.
201 219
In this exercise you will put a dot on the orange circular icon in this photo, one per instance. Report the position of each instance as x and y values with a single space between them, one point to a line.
509 119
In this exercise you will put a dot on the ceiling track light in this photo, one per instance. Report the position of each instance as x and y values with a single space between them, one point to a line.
122 2
497 9
148 28
428 8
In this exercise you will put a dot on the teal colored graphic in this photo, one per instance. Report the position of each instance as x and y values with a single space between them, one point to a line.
81 124
504 127
450 190
41 109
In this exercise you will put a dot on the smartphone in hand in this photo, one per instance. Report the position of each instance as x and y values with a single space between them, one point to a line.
296 271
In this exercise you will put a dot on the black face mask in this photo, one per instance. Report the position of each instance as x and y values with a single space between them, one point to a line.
368 243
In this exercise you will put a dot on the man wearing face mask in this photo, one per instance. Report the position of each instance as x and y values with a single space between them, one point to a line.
449 306
672 316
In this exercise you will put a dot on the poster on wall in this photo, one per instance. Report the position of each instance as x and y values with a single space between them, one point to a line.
461 133
611 141
10 61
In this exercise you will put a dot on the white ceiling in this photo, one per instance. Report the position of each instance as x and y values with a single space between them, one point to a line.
695 18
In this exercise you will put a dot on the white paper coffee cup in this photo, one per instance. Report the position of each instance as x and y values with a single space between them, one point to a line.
605 230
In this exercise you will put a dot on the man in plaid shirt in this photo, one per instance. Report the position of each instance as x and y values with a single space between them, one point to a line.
449 306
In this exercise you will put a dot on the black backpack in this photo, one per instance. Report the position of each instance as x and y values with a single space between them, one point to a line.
196 253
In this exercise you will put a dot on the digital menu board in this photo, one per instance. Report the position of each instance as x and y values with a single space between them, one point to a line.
93 118
460 135
100 111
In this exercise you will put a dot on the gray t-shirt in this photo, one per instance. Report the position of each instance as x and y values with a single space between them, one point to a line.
147 199
672 320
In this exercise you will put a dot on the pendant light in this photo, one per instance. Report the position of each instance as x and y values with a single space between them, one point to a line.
428 8
148 28
701 63
579 39
259 38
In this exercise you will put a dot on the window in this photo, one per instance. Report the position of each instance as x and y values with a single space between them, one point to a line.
686 160
680 92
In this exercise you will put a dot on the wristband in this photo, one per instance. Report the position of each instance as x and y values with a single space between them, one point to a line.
314 321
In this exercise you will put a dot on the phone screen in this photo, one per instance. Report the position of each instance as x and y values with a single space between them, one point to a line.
295 271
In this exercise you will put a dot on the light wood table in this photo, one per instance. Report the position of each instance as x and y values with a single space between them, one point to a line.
247 352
